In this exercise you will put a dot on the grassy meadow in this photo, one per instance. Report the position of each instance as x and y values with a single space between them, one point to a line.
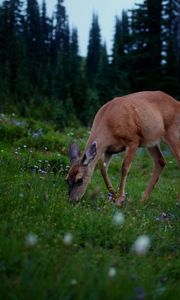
50 249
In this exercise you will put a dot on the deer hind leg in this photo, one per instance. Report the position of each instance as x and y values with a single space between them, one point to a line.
129 155
159 164
104 164
172 138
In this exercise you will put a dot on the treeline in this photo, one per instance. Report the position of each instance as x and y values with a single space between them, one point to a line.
42 74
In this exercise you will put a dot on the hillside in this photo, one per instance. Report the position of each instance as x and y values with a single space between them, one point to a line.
50 249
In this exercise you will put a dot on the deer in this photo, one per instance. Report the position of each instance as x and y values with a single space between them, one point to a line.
125 123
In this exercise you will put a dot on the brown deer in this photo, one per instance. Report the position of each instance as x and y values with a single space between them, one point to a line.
124 124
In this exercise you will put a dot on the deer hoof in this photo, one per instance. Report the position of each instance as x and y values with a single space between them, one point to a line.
143 200
120 201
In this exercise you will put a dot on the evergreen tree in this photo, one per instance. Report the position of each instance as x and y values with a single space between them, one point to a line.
102 82
61 27
137 58
154 46
62 92
33 41
94 50
145 57
45 33
77 86
3 60
45 50
176 7
118 73
169 55
12 49
174 43
125 31
62 42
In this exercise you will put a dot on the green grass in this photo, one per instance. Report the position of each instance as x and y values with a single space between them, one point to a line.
33 203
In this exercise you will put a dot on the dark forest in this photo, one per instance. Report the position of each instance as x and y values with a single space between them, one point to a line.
43 76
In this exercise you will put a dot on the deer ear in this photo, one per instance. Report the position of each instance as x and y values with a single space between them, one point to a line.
90 153
74 153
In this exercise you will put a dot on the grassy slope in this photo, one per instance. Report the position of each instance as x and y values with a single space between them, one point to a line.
33 201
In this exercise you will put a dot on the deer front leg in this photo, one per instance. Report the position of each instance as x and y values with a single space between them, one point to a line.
104 164
159 164
129 155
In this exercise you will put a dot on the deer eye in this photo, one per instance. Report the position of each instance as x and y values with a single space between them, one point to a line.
79 181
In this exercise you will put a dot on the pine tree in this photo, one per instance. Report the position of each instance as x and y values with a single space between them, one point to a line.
154 46
146 47
177 29
94 50
118 73
45 32
3 59
33 42
170 48
61 89
12 49
176 35
102 81
125 31
61 26
76 77
45 50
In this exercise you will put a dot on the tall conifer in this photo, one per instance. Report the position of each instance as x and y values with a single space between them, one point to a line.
94 50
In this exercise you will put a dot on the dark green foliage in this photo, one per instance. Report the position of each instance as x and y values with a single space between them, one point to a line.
94 50
43 75
153 56
32 35
118 69
171 48
145 58
103 75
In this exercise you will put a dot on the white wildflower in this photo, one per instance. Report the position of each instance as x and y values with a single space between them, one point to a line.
31 239
118 218
73 281
142 245
68 238
112 272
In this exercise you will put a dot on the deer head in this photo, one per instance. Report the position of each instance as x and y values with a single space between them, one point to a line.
80 171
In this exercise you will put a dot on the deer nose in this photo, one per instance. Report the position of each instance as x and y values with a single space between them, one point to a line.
70 189
73 200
